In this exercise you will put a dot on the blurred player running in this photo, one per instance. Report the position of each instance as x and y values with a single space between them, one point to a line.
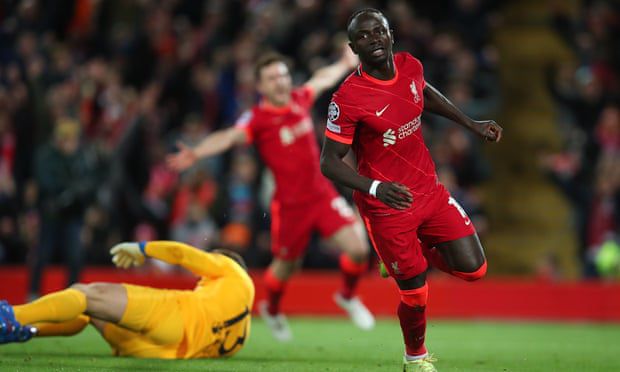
410 216
281 128
210 321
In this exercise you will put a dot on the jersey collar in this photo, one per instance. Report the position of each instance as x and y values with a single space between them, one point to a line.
379 81
265 105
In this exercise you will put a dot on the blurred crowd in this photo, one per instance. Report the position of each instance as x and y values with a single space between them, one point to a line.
587 93
94 94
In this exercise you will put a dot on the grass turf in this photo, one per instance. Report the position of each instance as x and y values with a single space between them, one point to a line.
325 344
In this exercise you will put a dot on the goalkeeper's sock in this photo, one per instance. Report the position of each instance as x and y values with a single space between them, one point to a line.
68 328
351 273
275 289
55 307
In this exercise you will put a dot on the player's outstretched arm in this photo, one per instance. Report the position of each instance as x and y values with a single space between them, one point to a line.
213 144
437 103
326 77
201 263
334 167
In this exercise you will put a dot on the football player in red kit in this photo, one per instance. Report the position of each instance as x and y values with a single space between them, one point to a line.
281 128
410 216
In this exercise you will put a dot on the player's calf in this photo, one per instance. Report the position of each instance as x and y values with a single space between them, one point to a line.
412 317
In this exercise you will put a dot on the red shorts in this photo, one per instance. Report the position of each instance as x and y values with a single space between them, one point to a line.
397 237
292 225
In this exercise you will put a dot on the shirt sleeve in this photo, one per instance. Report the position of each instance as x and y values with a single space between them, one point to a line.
304 96
198 262
246 122
341 123
419 70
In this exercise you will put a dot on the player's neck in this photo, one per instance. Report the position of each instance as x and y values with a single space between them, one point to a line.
384 71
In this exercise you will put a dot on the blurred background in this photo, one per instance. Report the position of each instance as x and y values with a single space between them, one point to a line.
94 94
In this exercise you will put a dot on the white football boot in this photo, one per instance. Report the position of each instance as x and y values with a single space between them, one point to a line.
358 313
276 323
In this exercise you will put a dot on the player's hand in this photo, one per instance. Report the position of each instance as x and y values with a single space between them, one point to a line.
488 129
183 159
394 195
126 255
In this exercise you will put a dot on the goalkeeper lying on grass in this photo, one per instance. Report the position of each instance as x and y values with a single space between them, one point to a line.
211 321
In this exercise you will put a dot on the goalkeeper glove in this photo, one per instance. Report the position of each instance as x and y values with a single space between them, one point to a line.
125 255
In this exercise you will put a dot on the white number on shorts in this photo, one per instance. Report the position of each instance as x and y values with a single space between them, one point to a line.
458 207
341 206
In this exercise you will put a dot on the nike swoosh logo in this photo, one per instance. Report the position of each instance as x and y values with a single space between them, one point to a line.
379 113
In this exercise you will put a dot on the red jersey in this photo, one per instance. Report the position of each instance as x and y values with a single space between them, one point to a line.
382 121
284 137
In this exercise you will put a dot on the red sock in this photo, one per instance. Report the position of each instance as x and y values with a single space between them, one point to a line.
412 316
275 289
413 325
351 273
433 256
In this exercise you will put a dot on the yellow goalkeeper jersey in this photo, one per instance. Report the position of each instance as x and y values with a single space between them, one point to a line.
216 315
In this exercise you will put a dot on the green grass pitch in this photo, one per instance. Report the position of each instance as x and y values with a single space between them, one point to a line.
328 344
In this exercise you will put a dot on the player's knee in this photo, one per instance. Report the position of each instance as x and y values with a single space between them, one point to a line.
356 249
79 287
417 297
474 274
284 269
93 291
358 253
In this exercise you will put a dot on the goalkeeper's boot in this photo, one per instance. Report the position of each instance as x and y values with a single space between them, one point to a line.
276 323
10 329
420 365
359 314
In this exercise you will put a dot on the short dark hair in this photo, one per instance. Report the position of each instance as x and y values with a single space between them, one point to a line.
358 13
232 255
267 58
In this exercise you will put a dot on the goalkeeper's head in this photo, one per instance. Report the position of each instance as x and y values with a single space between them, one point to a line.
232 255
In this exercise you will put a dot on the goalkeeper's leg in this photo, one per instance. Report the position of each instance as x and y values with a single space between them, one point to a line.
68 328
125 342
102 300
152 312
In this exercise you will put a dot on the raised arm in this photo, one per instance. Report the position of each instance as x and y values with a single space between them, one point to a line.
328 76
437 103
214 144
334 167
198 262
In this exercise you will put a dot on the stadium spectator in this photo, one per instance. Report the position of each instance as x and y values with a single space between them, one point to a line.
141 75
63 172
587 93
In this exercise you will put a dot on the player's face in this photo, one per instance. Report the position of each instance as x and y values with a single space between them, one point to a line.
371 39
275 83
